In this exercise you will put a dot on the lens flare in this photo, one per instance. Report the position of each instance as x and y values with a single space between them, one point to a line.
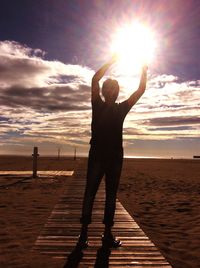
134 46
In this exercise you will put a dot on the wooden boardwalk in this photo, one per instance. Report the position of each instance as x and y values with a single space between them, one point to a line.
60 233
40 173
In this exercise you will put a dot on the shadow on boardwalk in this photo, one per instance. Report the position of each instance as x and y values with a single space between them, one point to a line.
102 257
74 258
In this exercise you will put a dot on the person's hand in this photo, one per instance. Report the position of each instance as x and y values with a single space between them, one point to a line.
144 68
114 58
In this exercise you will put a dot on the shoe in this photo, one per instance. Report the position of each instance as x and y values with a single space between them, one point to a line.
111 242
82 242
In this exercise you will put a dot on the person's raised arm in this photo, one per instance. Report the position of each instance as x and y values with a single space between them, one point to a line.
141 89
97 77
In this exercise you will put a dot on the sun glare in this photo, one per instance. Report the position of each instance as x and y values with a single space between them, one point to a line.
134 45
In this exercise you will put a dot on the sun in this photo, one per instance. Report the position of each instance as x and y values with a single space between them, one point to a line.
134 46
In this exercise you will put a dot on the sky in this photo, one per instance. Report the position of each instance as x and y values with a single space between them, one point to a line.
49 51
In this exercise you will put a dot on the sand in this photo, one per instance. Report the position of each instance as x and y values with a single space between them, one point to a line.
163 196
24 209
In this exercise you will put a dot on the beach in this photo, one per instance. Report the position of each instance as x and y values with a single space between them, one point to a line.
162 195
24 209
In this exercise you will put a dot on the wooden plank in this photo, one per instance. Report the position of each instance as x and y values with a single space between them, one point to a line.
60 233
40 173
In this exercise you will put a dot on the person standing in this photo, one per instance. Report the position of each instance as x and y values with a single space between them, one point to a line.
106 150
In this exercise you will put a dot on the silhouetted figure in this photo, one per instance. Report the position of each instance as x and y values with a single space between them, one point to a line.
106 151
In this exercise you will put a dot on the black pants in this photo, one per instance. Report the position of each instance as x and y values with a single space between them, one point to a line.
107 163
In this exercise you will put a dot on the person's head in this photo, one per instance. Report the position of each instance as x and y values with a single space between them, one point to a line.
110 90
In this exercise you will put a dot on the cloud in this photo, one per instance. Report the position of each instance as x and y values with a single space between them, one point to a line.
27 80
174 121
23 66
38 98
52 98
48 103
171 128
160 81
